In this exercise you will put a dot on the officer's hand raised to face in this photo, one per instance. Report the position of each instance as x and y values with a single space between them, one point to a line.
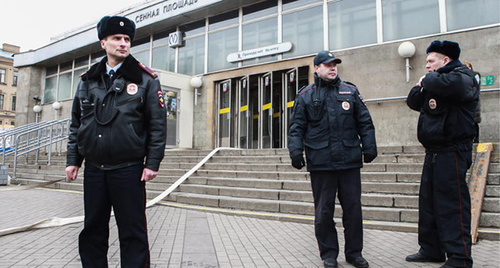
298 161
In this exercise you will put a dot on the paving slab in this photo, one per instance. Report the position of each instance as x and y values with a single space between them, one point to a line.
184 237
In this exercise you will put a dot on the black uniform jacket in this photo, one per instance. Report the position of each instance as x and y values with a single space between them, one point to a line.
447 102
120 126
330 121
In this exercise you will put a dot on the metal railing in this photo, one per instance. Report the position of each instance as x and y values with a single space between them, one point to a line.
404 97
33 138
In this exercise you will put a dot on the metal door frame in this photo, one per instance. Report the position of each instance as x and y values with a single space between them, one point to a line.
261 109
247 111
228 81
285 103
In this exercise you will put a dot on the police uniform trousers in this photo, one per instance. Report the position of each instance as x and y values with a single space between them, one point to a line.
325 185
444 208
122 190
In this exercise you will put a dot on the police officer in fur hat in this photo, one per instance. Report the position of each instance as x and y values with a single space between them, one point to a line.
446 98
118 127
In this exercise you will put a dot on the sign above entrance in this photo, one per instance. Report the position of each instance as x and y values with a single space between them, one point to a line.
166 9
259 52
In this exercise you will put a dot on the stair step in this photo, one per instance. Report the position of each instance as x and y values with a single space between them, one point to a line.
265 181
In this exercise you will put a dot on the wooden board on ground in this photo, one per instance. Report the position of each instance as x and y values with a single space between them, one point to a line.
477 185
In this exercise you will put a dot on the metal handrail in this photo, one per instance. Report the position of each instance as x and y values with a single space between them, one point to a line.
404 97
8 137
32 138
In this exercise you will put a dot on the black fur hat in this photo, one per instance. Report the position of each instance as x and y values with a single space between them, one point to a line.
115 25
448 48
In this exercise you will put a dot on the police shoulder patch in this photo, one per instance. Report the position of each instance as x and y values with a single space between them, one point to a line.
306 88
349 84
148 70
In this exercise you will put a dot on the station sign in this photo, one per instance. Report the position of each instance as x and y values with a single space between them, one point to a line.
259 52
175 39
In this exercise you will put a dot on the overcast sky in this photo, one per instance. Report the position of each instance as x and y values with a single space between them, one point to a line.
30 24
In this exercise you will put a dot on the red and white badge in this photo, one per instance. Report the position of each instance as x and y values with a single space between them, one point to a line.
346 105
132 89
161 100
432 104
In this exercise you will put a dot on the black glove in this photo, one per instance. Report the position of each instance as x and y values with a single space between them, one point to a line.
298 161
368 158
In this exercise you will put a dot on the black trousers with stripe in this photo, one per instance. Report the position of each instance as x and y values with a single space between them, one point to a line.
445 208
122 190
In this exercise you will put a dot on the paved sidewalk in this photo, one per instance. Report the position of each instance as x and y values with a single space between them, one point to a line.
189 238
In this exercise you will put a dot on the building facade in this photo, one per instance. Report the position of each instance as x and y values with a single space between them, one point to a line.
230 70
8 86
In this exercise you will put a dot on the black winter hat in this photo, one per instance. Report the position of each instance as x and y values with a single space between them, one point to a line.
448 48
325 57
115 25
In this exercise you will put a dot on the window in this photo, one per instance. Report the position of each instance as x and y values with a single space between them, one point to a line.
259 34
290 4
49 94
409 18
462 14
223 20
260 10
64 87
192 54
304 29
13 103
14 78
140 50
220 44
2 76
1 101
352 23
163 56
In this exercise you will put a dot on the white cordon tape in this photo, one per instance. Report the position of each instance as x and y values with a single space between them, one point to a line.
54 222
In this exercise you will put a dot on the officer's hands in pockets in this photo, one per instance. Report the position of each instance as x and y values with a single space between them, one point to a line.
298 161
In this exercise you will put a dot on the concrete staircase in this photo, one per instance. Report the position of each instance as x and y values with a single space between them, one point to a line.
264 183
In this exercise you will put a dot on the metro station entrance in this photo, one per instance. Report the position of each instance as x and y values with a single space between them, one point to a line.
254 111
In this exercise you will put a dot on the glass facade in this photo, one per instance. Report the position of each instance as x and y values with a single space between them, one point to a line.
352 23
208 41
304 30
409 18
462 14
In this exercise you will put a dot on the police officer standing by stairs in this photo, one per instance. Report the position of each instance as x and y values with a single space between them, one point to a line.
118 126
446 98
332 123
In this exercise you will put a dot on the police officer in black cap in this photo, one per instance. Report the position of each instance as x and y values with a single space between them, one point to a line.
332 123
118 127
446 98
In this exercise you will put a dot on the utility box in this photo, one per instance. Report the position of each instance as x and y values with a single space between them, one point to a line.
4 175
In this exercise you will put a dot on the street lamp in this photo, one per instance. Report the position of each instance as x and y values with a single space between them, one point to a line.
57 106
407 50
37 109
196 83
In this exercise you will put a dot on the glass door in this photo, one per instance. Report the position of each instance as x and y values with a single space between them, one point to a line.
244 113
294 80
291 87
172 108
224 108
266 87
